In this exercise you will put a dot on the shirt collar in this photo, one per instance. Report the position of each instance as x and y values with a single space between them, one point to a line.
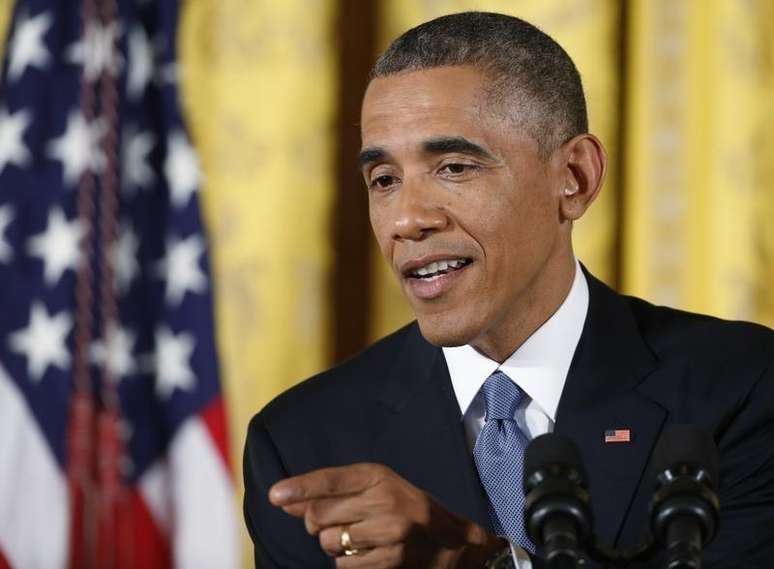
539 366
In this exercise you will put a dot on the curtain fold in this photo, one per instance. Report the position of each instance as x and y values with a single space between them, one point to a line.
698 147
764 169
259 83
5 19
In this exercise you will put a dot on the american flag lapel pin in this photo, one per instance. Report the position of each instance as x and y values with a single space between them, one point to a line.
618 436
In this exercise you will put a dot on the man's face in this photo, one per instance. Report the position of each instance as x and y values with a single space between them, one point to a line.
463 208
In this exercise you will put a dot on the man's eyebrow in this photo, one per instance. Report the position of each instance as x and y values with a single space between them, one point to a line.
438 145
455 144
370 155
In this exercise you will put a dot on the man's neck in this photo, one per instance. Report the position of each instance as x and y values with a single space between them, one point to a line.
538 303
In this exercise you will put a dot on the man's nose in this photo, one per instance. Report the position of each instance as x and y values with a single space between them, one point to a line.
417 212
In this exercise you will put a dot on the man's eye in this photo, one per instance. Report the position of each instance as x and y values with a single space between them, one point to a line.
383 182
456 169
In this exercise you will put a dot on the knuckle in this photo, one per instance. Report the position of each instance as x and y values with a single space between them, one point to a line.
377 471
397 556
398 529
311 528
328 541
351 562
328 483
388 502
424 511
380 469
312 519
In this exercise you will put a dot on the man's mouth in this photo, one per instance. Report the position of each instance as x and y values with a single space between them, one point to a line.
437 269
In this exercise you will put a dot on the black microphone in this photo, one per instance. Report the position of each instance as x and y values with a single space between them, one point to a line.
684 511
557 515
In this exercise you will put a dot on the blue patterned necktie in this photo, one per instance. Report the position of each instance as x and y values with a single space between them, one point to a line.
499 457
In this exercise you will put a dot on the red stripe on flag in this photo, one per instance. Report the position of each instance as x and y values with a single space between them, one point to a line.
3 563
214 417
142 542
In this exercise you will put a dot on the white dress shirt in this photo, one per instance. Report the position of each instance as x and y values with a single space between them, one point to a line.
539 367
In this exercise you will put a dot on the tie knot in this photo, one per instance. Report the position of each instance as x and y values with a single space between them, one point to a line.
502 396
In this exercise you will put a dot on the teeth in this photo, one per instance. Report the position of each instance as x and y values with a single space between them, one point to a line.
437 266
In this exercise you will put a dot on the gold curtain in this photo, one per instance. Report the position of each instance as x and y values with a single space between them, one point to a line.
700 156
258 83
764 169
5 19
588 30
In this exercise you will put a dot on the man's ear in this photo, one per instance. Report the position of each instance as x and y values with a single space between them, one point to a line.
584 167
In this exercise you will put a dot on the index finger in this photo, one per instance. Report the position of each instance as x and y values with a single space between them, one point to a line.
325 483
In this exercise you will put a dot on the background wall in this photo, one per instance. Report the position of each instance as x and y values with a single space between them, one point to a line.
679 91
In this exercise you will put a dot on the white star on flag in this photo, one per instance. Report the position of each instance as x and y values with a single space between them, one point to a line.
6 217
117 355
78 148
27 48
58 246
135 167
96 50
42 342
181 168
12 148
140 63
125 258
173 361
180 268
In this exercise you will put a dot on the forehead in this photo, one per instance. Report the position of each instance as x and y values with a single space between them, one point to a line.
432 102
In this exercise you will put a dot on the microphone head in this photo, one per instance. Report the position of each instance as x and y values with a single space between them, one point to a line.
684 512
551 450
687 446
557 513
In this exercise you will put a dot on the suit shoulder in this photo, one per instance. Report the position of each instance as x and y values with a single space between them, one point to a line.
671 332
348 381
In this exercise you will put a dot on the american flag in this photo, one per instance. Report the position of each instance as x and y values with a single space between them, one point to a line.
618 436
112 429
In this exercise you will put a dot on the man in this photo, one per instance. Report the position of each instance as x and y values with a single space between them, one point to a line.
477 160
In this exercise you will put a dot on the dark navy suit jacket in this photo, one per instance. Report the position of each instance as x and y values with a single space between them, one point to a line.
637 366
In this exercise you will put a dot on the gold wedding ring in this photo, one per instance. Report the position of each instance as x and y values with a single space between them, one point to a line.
346 543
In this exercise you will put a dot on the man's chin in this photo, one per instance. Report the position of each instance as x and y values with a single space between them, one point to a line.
443 334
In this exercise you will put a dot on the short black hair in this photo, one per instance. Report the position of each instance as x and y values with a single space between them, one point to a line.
529 71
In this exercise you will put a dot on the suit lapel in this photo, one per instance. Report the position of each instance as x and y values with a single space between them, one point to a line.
602 393
422 436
